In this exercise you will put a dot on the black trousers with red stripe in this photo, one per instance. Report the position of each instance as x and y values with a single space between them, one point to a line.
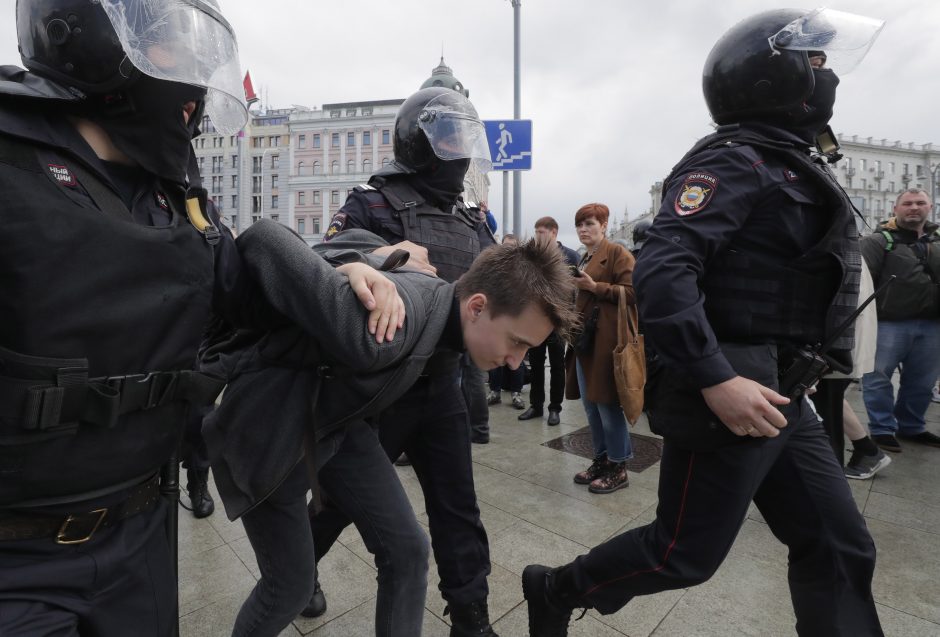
802 494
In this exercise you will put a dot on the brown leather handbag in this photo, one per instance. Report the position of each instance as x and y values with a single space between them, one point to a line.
629 360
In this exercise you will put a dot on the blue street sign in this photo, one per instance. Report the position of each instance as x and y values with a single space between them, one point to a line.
510 143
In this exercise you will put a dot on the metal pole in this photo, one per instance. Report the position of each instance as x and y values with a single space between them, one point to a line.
517 114
505 202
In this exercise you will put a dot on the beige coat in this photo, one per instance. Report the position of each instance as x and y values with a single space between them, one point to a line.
612 268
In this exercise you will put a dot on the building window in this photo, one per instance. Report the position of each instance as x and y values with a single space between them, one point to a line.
366 111
335 113
256 184
274 201
234 161
232 140
385 136
256 204
273 182
234 201
316 225
201 163
366 138
864 183
316 140
301 226
256 164
891 167
257 142
275 161
350 139
891 186
316 168
367 166
274 141
334 197
350 167
316 197
334 167
300 168
862 163
301 141
234 181
301 198
350 112
334 141
275 217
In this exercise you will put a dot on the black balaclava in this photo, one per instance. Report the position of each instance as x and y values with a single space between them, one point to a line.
443 181
817 110
145 122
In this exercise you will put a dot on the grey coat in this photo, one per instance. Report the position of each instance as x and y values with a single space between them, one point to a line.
256 435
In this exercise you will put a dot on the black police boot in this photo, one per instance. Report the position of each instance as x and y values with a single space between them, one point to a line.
198 488
317 605
548 614
470 620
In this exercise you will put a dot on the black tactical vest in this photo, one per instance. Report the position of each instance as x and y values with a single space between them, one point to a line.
759 298
100 321
450 238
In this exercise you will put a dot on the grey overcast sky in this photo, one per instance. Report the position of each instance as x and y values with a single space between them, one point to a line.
613 86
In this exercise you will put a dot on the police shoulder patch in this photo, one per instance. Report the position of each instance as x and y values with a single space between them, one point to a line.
336 225
696 192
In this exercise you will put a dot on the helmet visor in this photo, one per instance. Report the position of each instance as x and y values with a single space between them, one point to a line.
845 38
185 41
454 130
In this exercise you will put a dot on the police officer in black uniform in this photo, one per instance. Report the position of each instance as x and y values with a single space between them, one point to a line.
416 200
640 230
108 268
751 262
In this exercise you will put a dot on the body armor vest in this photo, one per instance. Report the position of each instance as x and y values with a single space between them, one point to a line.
758 298
450 238
100 321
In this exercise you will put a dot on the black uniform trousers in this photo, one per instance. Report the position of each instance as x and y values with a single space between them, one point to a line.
120 582
703 499
555 347
429 424
828 398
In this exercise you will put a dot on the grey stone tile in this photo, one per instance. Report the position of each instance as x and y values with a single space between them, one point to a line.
218 618
908 473
906 570
898 624
360 622
525 543
572 518
347 583
642 615
914 515
210 576
195 536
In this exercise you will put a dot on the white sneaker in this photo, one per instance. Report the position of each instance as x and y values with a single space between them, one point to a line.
935 395
517 401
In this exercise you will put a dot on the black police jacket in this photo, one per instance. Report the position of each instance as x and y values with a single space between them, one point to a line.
754 243
101 311
391 208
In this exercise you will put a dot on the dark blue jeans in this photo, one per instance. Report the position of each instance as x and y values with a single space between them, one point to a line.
358 478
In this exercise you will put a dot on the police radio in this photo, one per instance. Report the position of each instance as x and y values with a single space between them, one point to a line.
809 363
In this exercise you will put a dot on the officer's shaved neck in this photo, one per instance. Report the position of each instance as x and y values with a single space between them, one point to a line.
100 142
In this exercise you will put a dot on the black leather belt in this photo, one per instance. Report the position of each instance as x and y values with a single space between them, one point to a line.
77 528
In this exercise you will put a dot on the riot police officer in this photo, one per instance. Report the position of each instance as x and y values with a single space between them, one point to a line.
415 202
640 230
109 265
752 260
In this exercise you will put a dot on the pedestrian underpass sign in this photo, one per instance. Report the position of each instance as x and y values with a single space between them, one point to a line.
510 143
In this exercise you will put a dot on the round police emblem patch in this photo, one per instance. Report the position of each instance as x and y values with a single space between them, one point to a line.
695 193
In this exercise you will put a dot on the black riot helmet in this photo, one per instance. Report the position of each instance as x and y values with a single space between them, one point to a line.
439 124
100 47
760 68
640 228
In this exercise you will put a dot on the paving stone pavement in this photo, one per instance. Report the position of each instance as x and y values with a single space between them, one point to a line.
534 513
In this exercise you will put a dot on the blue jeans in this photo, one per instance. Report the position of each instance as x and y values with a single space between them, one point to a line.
609 431
358 479
915 346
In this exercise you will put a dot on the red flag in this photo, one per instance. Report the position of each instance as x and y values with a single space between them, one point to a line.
250 96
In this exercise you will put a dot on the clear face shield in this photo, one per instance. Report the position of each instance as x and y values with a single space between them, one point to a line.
455 131
186 41
844 38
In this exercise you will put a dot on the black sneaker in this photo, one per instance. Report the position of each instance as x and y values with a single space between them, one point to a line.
923 438
545 618
317 605
887 442
862 467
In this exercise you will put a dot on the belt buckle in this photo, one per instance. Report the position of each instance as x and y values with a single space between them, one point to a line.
62 536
